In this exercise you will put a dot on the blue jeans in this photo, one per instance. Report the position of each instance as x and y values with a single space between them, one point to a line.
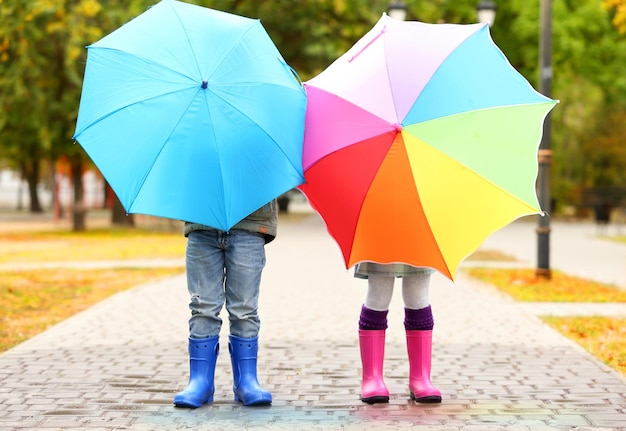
224 268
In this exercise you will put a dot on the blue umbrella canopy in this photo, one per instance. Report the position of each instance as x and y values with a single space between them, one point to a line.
192 114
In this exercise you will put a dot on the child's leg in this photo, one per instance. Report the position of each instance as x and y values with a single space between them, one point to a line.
415 291
418 322
417 312
245 260
379 292
205 281
372 326
205 277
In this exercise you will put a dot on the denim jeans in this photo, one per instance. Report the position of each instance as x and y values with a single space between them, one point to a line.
224 268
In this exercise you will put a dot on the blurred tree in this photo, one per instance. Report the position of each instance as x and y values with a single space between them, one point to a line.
42 60
588 56
591 85
42 56
605 164
20 142
619 9
310 34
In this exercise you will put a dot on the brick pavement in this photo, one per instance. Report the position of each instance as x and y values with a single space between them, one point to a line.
117 365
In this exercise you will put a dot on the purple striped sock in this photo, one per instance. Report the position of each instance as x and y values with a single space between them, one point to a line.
418 320
372 320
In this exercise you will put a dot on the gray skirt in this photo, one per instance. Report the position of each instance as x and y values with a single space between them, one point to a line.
364 269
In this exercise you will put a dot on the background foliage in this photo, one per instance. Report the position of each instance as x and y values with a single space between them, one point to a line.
42 59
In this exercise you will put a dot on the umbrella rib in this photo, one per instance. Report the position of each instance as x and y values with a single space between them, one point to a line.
243 114
482 177
118 109
217 65
486 108
219 159
180 21
165 142
233 45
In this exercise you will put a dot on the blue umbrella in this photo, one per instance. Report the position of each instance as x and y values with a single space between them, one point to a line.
192 114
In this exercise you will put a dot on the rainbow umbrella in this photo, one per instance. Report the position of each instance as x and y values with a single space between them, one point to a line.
420 142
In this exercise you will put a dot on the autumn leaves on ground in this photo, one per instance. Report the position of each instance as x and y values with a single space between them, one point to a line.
604 337
31 300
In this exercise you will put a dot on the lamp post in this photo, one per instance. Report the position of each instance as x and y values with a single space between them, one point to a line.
397 10
486 12
545 153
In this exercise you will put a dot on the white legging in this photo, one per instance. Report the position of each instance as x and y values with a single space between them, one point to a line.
414 291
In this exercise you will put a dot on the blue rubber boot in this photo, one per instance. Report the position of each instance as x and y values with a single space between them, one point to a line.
243 355
202 359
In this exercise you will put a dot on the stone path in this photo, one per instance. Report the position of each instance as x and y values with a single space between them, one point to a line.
117 365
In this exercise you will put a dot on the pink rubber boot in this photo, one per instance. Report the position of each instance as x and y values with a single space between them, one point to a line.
419 347
373 389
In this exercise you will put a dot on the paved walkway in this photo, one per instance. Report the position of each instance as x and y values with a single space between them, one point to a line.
117 365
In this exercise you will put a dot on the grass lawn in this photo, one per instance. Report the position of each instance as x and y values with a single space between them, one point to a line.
604 337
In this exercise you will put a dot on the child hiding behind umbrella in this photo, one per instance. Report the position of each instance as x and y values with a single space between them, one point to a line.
224 268
418 323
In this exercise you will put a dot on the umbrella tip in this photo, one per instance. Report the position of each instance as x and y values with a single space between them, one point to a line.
205 84
397 127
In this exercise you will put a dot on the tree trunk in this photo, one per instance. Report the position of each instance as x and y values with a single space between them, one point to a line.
54 188
79 212
119 215
30 171
105 195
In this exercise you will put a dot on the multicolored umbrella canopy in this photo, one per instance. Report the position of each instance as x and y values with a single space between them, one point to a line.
420 142
192 114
